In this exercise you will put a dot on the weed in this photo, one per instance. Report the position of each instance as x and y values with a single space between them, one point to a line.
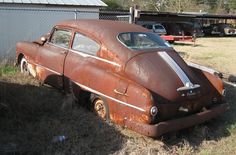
8 70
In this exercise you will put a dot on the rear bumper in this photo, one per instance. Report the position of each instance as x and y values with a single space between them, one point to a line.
176 124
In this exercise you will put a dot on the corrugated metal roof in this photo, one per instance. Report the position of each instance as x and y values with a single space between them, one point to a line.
58 2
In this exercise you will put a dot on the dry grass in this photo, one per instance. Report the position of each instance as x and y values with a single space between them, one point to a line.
32 116
218 53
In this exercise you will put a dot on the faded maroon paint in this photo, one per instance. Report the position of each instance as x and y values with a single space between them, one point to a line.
130 81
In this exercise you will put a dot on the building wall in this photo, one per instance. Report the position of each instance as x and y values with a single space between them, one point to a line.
28 24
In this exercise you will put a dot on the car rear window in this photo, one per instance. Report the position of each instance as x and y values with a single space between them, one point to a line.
142 40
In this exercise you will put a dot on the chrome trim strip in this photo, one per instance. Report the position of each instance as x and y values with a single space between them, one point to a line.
95 57
111 98
203 68
94 91
183 77
230 83
86 55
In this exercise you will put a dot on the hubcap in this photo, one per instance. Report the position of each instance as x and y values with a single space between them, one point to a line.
25 67
100 108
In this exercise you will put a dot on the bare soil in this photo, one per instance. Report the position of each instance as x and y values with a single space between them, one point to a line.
32 115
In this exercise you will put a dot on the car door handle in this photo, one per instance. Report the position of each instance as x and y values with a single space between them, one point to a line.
120 93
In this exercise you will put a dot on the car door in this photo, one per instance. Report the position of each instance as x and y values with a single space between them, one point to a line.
51 57
80 64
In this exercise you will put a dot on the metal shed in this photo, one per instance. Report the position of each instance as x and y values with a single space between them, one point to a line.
29 19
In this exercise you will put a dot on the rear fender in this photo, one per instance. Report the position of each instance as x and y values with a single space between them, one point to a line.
214 77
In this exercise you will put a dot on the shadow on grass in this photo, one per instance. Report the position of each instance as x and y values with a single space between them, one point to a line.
214 129
31 116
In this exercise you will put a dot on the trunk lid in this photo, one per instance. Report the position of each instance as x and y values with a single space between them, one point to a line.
166 74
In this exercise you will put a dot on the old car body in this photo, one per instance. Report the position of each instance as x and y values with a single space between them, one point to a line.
220 29
156 28
172 28
130 75
191 28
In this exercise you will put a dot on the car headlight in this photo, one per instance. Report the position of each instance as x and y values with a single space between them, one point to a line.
153 111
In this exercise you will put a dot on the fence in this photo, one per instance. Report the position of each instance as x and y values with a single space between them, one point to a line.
23 24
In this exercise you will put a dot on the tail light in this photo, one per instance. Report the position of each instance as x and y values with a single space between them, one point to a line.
153 111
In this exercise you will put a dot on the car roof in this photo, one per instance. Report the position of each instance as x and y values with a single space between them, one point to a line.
106 32
101 28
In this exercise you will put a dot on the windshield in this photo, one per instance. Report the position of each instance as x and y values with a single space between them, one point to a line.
142 40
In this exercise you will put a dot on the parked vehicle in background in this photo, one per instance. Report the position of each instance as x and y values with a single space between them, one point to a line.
156 28
127 75
191 29
220 29
171 34
172 29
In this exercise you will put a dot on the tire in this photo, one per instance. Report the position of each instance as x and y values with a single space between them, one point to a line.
100 107
24 66
93 102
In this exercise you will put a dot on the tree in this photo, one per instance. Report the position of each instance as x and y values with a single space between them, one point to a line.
232 6
112 4
211 6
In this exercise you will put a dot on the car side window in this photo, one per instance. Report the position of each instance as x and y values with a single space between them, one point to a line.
84 44
61 38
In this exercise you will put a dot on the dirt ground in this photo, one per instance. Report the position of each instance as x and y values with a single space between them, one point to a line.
31 116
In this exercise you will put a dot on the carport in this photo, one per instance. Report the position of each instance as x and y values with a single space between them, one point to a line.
201 17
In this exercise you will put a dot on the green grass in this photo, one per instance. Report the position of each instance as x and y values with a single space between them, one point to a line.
8 70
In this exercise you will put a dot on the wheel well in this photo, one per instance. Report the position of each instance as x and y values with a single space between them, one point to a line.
19 58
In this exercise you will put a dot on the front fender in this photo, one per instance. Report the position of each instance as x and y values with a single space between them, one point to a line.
26 49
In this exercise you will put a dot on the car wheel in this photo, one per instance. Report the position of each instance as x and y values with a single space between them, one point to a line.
24 66
100 107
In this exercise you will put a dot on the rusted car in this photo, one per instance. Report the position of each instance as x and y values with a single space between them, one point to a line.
220 29
130 75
